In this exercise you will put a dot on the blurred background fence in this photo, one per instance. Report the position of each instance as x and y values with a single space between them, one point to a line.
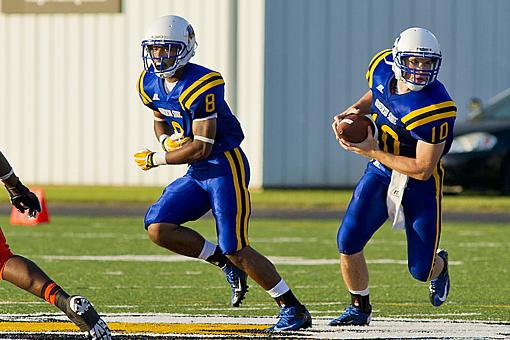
70 113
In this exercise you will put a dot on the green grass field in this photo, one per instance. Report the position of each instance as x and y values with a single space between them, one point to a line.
479 270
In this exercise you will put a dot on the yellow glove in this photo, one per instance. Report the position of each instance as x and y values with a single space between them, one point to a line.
145 159
174 142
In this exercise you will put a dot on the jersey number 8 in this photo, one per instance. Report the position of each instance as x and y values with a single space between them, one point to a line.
210 105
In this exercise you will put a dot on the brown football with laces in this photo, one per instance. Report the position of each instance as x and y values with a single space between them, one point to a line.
354 128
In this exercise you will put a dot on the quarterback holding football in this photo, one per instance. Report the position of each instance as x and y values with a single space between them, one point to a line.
414 115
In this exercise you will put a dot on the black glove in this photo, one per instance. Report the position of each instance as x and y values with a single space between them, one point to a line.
23 199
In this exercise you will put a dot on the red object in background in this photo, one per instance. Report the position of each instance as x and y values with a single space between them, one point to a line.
18 218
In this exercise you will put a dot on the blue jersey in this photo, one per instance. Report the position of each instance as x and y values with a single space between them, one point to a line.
219 182
198 95
402 120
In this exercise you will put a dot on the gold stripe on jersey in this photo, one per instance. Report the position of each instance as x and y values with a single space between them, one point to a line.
204 88
373 64
438 175
427 109
196 86
197 83
145 97
431 119
374 59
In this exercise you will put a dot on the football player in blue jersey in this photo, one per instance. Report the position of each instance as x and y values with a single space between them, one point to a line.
27 275
195 126
414 116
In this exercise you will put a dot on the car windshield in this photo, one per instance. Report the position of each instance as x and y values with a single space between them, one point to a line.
499 109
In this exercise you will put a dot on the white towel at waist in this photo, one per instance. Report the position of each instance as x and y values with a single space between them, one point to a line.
396 190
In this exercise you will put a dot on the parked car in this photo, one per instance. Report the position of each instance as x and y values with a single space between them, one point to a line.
480 154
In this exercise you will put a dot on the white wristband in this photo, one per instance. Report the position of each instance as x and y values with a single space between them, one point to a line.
204 139
159 158
162 137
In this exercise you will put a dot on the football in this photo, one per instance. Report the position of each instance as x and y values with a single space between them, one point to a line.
354 128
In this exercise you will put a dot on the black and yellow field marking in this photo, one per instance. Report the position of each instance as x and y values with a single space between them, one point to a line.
46 327
137 328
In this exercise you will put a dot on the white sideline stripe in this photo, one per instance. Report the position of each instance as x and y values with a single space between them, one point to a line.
279 260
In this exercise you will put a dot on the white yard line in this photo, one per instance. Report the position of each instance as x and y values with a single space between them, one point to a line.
279 260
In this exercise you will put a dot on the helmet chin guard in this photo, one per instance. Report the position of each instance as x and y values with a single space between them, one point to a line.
174 35
420 43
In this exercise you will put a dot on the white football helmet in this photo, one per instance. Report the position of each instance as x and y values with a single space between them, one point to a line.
416 42
168 45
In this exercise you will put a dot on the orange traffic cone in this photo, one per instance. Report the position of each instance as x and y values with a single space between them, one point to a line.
18 218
